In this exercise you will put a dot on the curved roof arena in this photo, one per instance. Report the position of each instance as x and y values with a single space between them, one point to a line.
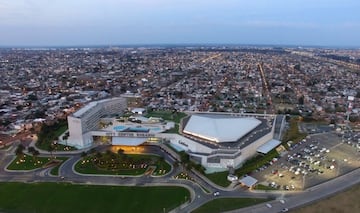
220 129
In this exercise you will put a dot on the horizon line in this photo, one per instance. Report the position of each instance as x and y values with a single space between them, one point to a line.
176 45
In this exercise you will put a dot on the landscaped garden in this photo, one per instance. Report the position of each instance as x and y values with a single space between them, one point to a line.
167 115
50 133
27 162
122 164
68 198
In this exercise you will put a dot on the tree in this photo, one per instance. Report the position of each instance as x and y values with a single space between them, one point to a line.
19 107
83 154
50 149
31 149
301 100
32 97
120 152
184 157
176 164
92 150
20 151
297 67
98 154
35 154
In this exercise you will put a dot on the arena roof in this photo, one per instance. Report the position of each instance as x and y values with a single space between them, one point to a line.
220 129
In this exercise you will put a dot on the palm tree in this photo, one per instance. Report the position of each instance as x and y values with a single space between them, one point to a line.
35 154
20 151
31 149
50 149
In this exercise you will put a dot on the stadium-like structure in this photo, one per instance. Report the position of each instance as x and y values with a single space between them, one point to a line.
216 140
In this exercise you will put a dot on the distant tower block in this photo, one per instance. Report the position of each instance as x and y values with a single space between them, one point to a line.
350 106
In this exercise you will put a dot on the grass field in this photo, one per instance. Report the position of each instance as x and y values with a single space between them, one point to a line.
162 168
227 204
219 178
345 202
28 163
67 198
167 115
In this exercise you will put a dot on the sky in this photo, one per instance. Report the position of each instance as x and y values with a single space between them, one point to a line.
126 22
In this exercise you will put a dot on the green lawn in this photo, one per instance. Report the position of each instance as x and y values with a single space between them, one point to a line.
28 163
48 134
227 204
132 164
256 162
219 178
67 198
162 167
55 170
293 133
167 115
90 168
60 147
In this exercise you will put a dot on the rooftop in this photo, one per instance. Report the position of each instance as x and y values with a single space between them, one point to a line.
89 106
220 128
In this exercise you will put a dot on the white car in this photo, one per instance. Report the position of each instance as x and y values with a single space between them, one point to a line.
216 193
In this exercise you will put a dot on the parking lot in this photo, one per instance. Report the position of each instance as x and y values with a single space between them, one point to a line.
316 159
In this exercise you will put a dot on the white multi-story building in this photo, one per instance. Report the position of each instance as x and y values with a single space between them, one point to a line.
84 121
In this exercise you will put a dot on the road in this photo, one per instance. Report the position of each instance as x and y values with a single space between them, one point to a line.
197 188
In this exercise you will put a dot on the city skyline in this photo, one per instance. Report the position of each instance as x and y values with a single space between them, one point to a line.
125 22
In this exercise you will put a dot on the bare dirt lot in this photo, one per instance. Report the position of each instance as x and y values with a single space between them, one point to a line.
345 202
